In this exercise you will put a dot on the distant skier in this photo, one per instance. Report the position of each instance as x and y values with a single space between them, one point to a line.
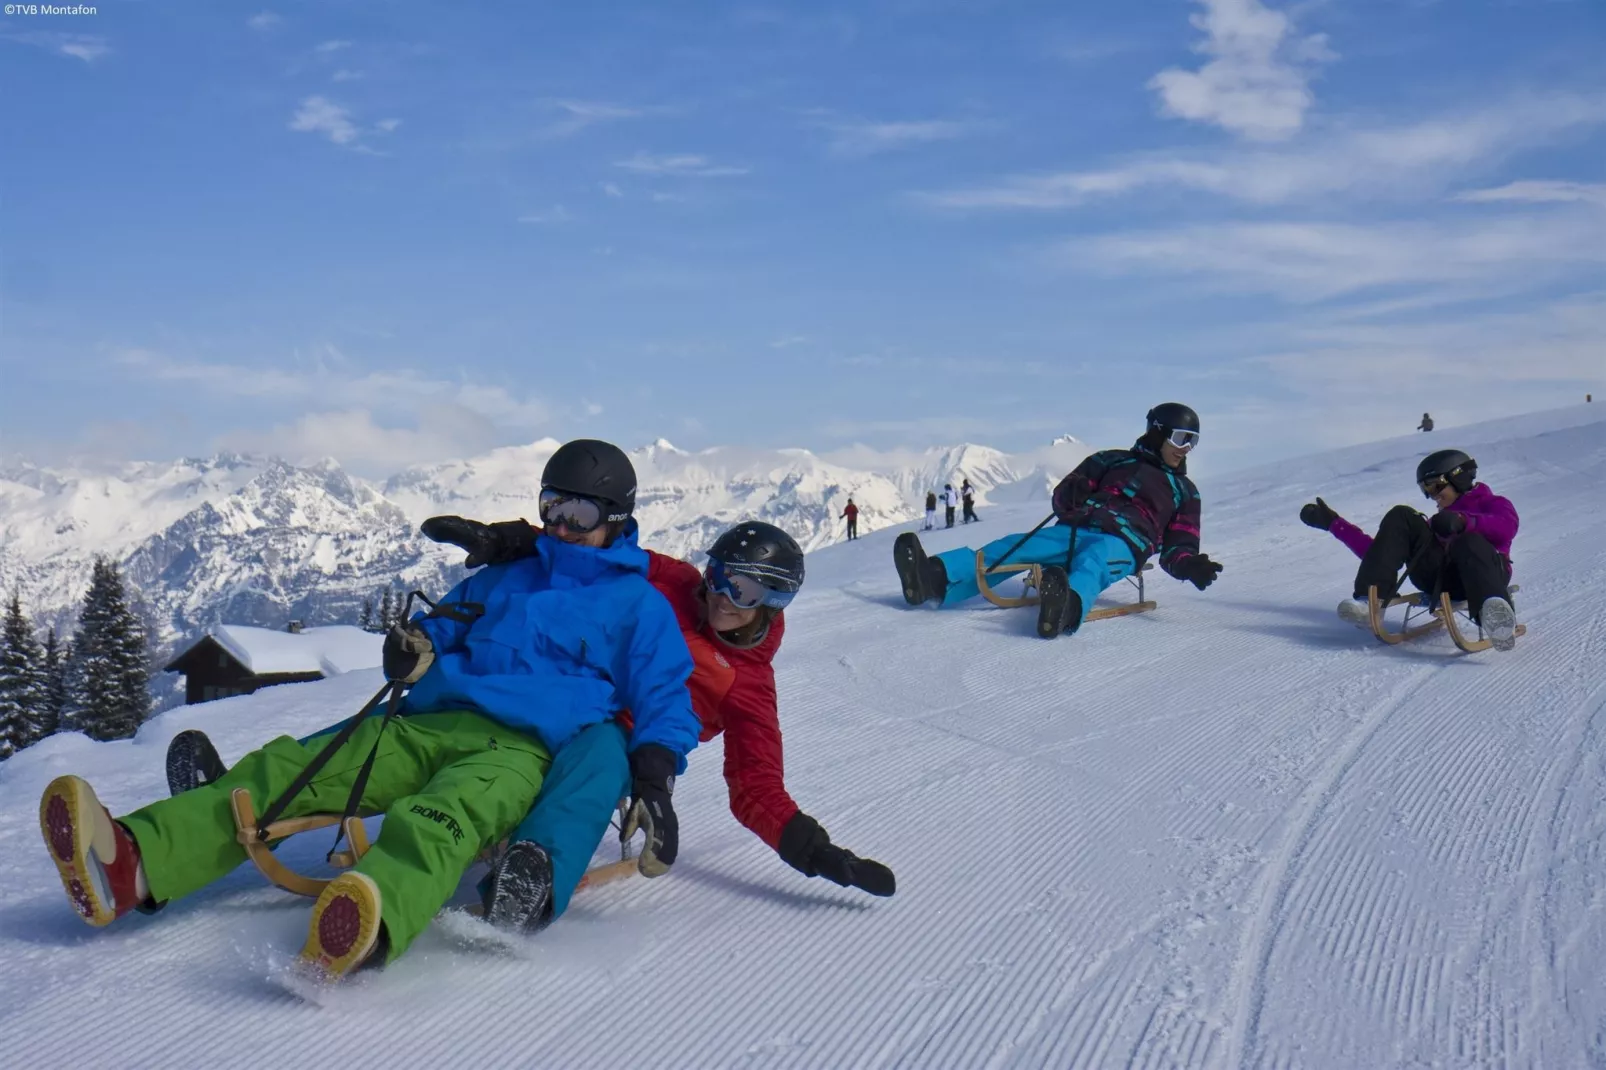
1426 424
1115 509
1464 550
950 501
518 661
931 510
967 494
852 515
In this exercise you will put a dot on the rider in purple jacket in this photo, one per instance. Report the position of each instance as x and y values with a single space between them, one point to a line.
1465 549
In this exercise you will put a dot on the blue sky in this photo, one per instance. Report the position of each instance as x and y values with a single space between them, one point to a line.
407 232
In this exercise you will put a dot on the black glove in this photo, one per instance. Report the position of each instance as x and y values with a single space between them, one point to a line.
652 782
1318 514
807 848
407 654
1448 522
1198 570
487 544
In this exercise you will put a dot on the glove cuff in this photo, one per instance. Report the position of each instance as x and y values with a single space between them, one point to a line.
799 839
653 762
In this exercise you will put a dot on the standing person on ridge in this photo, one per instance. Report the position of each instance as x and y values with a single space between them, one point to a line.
950 502
515 663
852 515
967 494
1115 509
1465 550
931 510
1426 424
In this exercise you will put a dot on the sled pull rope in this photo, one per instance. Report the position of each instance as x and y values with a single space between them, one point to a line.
1022 542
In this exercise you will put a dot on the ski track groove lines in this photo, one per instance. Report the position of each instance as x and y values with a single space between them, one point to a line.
1232 833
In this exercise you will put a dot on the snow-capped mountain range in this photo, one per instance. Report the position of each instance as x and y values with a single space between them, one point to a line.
256 540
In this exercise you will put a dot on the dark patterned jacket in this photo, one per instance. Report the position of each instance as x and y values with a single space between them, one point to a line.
1133 495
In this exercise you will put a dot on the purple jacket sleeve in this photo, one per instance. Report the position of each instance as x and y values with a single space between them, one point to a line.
1357 540
1495 520
1073 490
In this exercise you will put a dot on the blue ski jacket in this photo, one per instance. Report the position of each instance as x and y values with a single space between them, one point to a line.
570 636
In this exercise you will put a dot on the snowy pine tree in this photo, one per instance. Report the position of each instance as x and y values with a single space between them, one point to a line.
22 681
365 616
110 666
387 611
55 693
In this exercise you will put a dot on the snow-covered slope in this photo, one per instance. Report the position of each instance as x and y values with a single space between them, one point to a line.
257 541
1234 832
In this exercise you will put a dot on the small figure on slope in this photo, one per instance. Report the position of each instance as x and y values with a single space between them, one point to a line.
967 495
931 511
1464 550
851 515
1115 509
1426 424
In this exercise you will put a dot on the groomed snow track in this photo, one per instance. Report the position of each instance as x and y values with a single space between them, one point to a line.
1232 833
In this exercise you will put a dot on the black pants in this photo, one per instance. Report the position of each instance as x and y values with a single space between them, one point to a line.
853 527
950 516
970 511
1467 567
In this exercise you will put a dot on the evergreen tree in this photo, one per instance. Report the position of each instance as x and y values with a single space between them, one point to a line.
387 612
22 682
55 693
365 616
109 675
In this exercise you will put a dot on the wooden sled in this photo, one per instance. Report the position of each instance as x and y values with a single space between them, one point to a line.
1426 621
256 848
1033 582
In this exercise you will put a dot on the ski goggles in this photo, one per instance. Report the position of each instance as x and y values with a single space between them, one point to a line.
745 590
574 511
1432 487
1183 439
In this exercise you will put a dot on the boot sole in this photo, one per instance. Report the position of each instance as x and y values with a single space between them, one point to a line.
345 925
192 761
1499 625
1053 595
74 824
519 881
908 557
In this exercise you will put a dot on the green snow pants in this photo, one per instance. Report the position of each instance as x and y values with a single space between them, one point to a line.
449 784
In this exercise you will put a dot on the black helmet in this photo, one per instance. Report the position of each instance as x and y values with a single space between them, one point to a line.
762 551
1173 416
1453 466
594 469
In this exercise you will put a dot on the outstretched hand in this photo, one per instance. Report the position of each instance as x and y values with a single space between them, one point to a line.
1199 570
1318 514
807 848
487 544
1447 523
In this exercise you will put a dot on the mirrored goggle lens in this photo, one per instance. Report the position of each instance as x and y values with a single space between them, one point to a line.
744 591
1183 440
1430 487
573 512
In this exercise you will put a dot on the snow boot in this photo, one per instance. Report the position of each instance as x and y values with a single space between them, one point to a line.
1356 612
96 858
192 761
923 578
345 932
1499 623
1059 609
518 892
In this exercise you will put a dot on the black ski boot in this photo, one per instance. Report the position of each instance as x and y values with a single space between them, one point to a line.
1059 608
518 892
923 578
192 761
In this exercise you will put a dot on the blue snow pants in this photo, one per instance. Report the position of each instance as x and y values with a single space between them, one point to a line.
589 775
1101 560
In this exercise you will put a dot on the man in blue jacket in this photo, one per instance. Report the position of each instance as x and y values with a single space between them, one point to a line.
520 658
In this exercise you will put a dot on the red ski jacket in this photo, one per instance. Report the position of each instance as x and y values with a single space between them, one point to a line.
733 691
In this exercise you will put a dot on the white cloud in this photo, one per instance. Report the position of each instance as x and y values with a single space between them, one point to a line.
263 21
612 190
863 137
361 444
86 47
326 47
385 126
343 75
1256 83
1319 261
1409 158
579 114
682 164
319 115
556 214
1539 192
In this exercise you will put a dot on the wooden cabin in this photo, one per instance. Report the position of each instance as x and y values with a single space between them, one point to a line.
237 659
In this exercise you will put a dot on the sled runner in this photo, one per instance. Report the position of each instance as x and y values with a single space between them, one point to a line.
1422 620
256 843
1033 583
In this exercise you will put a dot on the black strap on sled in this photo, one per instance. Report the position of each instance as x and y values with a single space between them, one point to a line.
462 613
1021 542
